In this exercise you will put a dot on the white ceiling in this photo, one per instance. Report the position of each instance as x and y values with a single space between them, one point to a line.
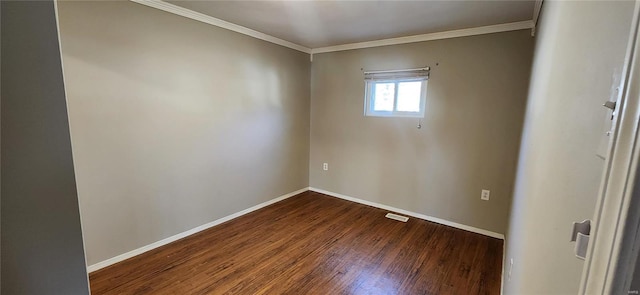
315 24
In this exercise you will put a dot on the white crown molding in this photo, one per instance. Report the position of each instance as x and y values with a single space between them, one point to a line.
135 252
536 11
168 7
537 7
429 37
412 214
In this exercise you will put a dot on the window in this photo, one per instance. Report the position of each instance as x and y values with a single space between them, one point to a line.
399 93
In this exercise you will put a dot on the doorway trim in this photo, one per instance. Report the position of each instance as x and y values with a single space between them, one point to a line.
615 235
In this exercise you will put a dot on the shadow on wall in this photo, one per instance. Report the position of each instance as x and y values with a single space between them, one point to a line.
173 127
42 248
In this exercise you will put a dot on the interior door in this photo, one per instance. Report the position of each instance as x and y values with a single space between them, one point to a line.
615 231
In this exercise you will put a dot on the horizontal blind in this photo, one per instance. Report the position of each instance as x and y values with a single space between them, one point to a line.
418 74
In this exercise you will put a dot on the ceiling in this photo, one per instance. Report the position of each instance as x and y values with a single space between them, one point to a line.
316 24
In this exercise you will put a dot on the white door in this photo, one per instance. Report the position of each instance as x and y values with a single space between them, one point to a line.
615 231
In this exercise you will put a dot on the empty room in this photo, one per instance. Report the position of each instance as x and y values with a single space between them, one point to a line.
319 147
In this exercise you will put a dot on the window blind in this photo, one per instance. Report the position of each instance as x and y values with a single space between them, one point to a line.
418 74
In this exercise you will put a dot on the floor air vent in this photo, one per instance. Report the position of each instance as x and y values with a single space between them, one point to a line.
397 217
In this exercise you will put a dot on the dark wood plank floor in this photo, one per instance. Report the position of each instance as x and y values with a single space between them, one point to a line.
313 244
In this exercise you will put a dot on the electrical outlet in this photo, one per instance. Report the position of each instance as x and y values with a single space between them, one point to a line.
485 194
510 269
325 166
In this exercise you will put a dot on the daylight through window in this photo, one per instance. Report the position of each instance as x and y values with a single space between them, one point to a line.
398 93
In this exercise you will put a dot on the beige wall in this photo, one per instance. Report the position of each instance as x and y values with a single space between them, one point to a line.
576 67
468 142
176 123
42 251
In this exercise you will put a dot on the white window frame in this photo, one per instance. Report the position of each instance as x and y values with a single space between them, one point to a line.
396 77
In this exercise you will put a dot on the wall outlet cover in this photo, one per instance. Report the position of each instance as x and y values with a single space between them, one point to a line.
485 195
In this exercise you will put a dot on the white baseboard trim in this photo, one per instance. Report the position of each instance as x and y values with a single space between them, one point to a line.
138 251
413 214
504 261
132 253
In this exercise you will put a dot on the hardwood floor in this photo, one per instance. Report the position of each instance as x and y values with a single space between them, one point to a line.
313 244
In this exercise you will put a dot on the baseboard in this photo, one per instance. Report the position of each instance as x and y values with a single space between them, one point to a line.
138 251
412 214
121 257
